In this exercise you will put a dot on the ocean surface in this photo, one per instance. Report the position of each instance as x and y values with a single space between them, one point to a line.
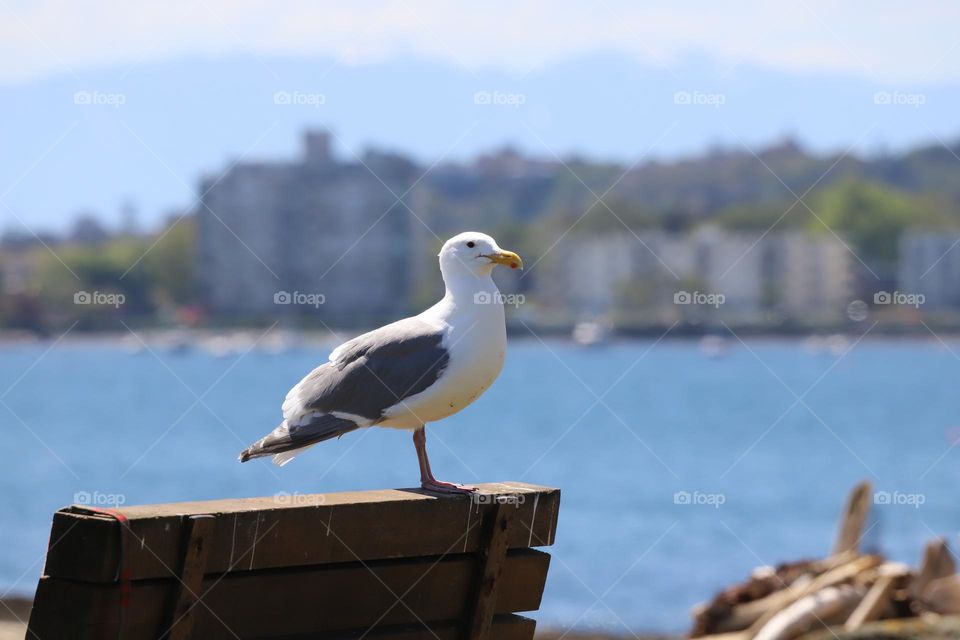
682 468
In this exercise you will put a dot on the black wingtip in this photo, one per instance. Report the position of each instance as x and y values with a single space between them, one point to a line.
244 456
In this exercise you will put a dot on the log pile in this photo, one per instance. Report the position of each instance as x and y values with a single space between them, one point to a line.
845 591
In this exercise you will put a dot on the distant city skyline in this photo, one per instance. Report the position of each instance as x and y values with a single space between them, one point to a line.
351 240
129 214
359 232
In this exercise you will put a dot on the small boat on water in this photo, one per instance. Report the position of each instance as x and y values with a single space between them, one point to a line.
814 344
177 342
714 346
838 345
282 341
222 346
589 334
834 345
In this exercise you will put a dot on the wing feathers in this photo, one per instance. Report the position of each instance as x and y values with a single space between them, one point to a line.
363 379
287 438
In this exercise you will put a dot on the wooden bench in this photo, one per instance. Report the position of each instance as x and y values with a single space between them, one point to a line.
372 564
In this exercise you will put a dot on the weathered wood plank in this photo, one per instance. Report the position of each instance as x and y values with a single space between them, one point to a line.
493 554
268 603
189 586
288 531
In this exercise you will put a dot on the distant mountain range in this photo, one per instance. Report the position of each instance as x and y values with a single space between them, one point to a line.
148 131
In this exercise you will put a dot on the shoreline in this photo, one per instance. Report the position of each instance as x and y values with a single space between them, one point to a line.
323 338
14 608
14 613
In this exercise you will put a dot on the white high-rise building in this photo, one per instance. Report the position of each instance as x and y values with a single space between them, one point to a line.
930 265
813 275
316 237
792 273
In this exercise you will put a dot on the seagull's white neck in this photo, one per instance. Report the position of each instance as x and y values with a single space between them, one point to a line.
468 295
471 295
464 285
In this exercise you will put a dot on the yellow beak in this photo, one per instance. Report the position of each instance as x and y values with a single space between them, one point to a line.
507 258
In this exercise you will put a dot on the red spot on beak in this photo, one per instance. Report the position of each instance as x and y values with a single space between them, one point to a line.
513 265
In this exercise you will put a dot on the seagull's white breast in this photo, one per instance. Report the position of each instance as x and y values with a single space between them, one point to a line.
475 338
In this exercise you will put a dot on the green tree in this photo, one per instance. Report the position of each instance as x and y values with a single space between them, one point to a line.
171 264
873 216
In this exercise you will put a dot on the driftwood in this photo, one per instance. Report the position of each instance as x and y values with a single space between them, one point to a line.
837 575
767 589
854 518
740 605
937 563
846 588
943 595
828 605
880 599
741 616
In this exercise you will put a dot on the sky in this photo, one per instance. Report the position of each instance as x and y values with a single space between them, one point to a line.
913 41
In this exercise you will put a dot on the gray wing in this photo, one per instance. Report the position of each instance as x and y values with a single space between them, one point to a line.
372 372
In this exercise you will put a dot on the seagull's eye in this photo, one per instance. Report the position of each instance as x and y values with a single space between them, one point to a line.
471 244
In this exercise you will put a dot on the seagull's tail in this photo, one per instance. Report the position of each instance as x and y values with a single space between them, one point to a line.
285 442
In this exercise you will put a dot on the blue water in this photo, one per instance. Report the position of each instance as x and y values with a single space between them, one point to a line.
99 419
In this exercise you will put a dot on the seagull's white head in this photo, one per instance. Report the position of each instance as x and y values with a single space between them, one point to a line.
476 254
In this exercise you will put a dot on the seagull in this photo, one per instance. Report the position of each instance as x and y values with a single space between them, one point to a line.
410 372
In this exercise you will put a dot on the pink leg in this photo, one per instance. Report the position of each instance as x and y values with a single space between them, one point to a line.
427 481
